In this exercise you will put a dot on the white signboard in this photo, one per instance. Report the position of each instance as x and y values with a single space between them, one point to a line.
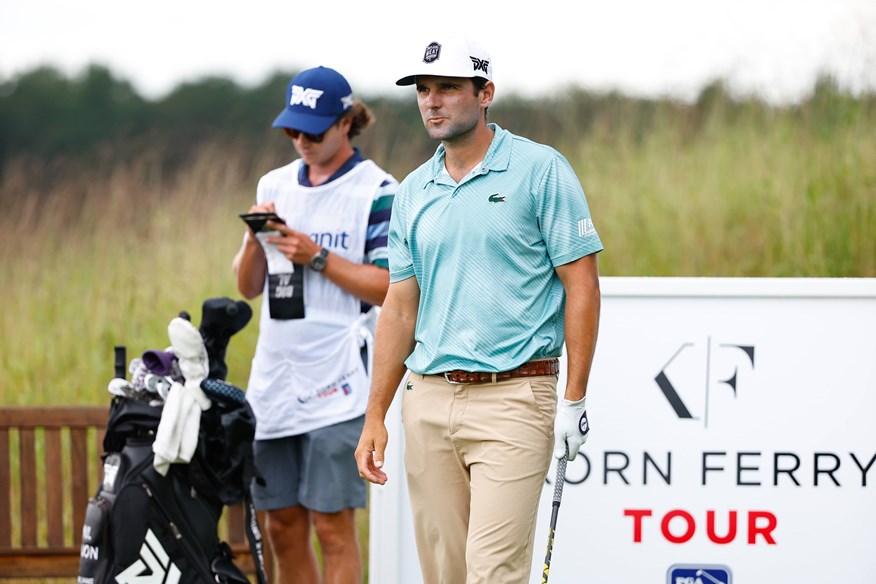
733 440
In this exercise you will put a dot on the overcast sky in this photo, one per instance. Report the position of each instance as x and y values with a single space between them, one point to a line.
775 48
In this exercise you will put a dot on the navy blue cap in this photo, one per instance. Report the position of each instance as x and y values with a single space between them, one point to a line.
315 99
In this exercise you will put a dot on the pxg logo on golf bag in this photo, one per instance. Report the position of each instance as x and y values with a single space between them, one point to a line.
672 391
154 565
698 574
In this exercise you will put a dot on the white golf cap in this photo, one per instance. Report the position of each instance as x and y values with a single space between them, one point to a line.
450 55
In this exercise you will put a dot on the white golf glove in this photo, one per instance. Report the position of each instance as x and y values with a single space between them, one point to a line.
571 427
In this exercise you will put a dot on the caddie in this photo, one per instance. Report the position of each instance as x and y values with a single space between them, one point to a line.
319 274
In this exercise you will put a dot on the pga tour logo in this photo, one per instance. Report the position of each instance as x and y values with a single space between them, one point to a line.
698 574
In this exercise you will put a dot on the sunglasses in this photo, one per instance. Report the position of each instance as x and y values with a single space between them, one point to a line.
315 138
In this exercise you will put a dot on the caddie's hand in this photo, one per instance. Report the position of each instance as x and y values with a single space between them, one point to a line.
295 245
369 453
267 207
571 427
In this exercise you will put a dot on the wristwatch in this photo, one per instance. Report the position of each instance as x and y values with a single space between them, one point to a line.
318 261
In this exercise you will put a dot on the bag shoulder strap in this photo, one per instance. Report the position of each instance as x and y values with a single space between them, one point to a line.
256 541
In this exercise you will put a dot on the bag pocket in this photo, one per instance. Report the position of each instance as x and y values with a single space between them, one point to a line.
95 556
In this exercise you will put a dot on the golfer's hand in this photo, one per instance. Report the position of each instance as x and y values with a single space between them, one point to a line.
369 453
571 427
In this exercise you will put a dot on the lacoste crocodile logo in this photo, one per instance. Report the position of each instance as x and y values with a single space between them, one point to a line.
409 386
496 198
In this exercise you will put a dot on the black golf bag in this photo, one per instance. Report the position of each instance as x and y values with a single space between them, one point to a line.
144 526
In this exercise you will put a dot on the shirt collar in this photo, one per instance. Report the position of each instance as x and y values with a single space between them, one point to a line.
346 167
496 159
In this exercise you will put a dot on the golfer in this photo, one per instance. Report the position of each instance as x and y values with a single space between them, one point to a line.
492 258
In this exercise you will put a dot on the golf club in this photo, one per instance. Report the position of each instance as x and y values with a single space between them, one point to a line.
558 495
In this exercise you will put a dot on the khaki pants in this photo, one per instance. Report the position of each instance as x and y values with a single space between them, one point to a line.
476 457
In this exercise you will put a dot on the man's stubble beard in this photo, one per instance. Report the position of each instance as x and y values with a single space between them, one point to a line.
453 130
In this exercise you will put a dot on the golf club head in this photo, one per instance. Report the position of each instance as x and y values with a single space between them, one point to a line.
158 385
134 365
120 387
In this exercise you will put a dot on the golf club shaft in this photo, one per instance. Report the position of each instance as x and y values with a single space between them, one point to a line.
558 495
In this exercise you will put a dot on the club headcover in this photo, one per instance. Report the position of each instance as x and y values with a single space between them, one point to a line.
158 362
221 318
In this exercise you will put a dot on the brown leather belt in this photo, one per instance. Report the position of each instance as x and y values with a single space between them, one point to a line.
528 369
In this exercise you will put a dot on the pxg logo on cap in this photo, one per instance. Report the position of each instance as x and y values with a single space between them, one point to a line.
305 96
698 574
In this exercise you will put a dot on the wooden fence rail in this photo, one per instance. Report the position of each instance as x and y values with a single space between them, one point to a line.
45 484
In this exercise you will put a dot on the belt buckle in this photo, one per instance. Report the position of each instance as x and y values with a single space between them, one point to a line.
450 381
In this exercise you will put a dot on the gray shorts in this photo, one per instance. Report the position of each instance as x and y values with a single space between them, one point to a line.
316 470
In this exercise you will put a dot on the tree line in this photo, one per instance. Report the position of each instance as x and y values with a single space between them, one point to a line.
69 122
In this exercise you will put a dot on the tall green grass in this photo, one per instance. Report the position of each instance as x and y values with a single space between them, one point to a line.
762 194
109 255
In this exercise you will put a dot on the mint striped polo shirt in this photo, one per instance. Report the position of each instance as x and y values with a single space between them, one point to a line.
484 252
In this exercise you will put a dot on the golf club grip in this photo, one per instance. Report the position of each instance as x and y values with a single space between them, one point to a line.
560 480
120 370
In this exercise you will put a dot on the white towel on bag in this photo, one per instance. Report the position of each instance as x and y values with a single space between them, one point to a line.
177 435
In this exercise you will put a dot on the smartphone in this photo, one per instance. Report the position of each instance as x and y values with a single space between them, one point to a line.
259 221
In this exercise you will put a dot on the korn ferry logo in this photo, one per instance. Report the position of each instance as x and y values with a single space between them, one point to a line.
698 574
680 377
305 96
